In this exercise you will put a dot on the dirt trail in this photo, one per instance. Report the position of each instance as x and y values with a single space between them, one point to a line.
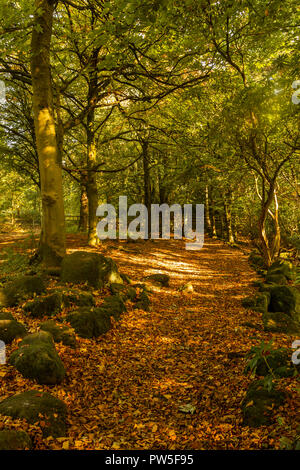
188 350
126 389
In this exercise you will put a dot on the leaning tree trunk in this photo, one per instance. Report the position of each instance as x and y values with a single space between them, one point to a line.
52 243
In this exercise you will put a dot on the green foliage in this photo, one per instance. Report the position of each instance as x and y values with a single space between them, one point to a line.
13 262
257 353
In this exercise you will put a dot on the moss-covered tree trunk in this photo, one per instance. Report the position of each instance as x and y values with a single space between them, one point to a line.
52 242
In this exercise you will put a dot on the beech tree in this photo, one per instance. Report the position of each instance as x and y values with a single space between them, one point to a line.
52 243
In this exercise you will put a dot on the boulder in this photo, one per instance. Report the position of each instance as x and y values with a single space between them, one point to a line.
283 268
78 298
60 333
113 306
36 358
21 289
284 299
280 322
91 268
276 278
10 439
125 278
143 302
259 302
35 406
44 305
258 404
89 322
10 328
160 279
257 262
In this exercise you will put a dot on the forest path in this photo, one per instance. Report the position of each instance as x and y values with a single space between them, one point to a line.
186 352
170 378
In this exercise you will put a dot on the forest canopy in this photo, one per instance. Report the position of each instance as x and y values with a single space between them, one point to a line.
163 101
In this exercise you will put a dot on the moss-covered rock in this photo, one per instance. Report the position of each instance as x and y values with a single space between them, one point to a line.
259 302
79 298
36 358
131 294
276 278
60 333
10 328
21 289
113 306
258 404
143 302
37 406
92 268
283 299
102 322
257 262
280 322
117 288
44 305
283 268
126 279
159 279
10 439
89 322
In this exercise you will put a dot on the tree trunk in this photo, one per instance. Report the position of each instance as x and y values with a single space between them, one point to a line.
213 219
91 187
207 216
269 250
52 243
84 210
228 219
147 183
277 235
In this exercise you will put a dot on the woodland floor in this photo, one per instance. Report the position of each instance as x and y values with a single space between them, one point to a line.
124 390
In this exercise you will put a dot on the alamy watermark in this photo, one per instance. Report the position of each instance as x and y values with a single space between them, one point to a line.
2 352
145 225
296 94
296 354
2 92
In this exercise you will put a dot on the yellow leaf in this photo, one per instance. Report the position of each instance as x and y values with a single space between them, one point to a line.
66 445
155 427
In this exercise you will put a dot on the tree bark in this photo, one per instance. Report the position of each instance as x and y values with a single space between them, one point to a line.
228 219
91 186
52 243
213 219
207 215
84 210
147 183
